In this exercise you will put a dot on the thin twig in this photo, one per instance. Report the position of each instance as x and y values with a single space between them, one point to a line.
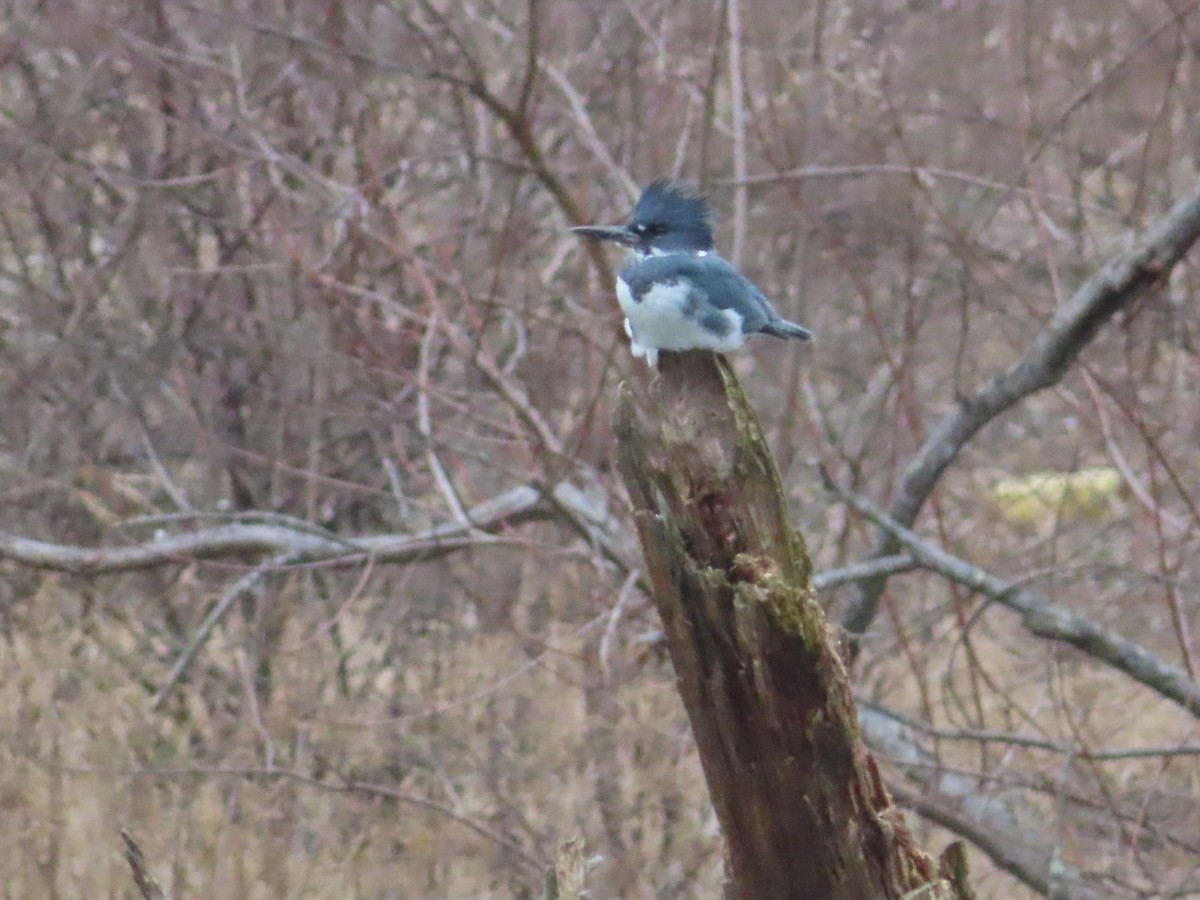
425 426
146 885
349 786
1118 456
220 608
737 90
924 174
164 477
871 568
614 617
1035 743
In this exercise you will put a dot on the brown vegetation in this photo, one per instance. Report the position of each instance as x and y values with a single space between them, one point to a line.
318 576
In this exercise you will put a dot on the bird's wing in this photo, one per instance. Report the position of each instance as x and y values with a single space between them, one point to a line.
712 281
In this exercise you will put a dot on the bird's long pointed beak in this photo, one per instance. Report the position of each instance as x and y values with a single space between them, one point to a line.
618 234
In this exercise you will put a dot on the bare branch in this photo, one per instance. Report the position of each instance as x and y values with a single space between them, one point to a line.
520 504
294 542
1039 615
595 523
1069 331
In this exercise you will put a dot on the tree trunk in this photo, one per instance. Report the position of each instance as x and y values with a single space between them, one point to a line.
801 803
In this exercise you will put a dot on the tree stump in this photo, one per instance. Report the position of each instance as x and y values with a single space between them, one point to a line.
801 804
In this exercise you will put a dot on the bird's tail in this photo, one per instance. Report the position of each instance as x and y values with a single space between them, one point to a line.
782 328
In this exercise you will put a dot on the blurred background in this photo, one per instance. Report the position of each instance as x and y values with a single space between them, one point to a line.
306 265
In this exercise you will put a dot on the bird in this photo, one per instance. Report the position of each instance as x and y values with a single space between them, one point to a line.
676 292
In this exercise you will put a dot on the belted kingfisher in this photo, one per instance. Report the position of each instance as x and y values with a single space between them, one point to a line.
675 291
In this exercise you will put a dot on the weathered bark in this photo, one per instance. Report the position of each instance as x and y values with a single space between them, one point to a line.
801 804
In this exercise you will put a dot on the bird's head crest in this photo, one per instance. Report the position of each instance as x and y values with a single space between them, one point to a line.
672 216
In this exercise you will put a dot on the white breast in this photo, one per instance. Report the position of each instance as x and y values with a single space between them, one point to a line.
659 322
